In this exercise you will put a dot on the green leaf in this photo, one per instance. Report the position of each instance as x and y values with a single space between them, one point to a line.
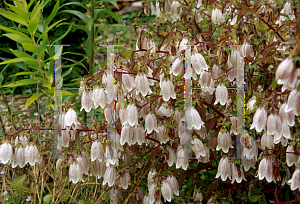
53 14
113 2
54 24
84 28
33 25
67 72
30 47
18 38
12 16
66 93
21 83
29 5
80 15
126 53
47 199
17 112
19 12
31 100
63 36
23 73
1 79
113 25
255 198
88 47
12 30
19 181
75 3
20 59
43 47
109 12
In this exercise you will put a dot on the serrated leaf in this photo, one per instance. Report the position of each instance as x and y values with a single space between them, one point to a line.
18 38
47 199
19 181
21 83
255 198
30 47
12 16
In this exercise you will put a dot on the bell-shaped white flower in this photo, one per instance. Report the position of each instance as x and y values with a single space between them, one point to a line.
142 85
197 196
205 79
162 134
237 173
151 123
31 154
286 117
221 95
18 157
247 50
205 159
166 191
250 149
97 151
65 138
83 161
126 135
174 11
167 90
224 142
150 179
99 98
193 119
274 125
267 141
183 45
248 163
235 58
182 159
224 169
111 155
198 63
75 172
114 195
128 81
124 180
284 70
265 170
216 72
293 102
177 67
132 115
138 135
171 156
174 184
286 132
251 103
6 153
163 111
259 120
110 176
291 158
216 16
71 120
198 148
295 180
86 101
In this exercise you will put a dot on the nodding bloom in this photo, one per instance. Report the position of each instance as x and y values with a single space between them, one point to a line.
265 170
167 90
177 67
221 95
97 151
295 180
132 115
99 97
142 84
86 100
70 120
259 119
197 196
217 16
198 63
237 173
31 154
224 169
267 141
19 157
198 148
75 172
224 142
274 125
291 158
293 102
193 119
166 191
174 184
110 176
286 116
151 123
6 153
182 159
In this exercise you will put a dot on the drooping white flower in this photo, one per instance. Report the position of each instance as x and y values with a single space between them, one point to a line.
259 120
247 163
124 180
197 196
183 45
286 117
166 191
114 194
171 156
224 169
110 176
250 149
182 159
99 98
162 134
142 85
293 102
295 180
216 72
284 70
290 157
65 138
267 141
198 63
193 119
205 79
224 142
150 179
274 125
216 16
198 148
174 11
251 103
138 135
75 172
151 123
126 135
31 154
6 153
164 111
86 100
83 161
97 151
174 184
221 95
237 176
167 90
18 157
111 156
132 115
205 159
177 67
71 120
265 170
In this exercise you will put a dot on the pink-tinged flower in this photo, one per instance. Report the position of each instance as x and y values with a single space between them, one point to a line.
167 90
151 123
193 119
124 180
126 135
250 147
295 180
274 125
99 98
286 117
65 138
71 120
198 63
75 173
286 132
224 169
166 191
177 67
86 101
114 195
174 184
284 70
198 148
248 163
237 173
6 153
182 159
205 79
142 85
97 151
259 120
138 135
19 157
171 156
132 115
31 154
265 170
221 95
290 157
267 141
224 142
197 196
293 102
110 176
